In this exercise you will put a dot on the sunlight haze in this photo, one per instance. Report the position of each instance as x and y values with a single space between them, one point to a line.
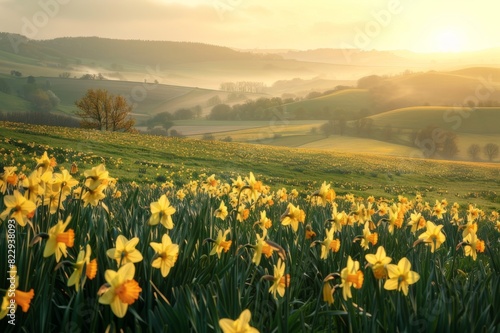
423 26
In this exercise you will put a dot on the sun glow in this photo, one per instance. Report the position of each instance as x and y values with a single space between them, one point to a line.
450 40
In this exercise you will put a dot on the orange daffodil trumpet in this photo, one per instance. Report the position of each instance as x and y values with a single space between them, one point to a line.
324 195
378 262
83 261
121 290
367 238
329 243
351 276
280 280
9 177
58 240
220 244
15 297
472 245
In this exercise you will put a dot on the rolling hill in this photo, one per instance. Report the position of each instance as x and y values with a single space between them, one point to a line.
482 120
126 154
345 103
174 63
147 98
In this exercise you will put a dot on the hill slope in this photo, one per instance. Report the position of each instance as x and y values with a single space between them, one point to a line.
125 154
483 120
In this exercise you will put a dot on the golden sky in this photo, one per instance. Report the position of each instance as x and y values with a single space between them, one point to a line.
422 26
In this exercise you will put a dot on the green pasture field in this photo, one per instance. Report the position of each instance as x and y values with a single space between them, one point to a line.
179 158
481 120
346 103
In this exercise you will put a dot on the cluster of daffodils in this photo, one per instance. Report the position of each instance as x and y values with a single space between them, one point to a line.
45 192
25 196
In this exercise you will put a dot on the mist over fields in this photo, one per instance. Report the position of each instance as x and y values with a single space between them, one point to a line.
315 96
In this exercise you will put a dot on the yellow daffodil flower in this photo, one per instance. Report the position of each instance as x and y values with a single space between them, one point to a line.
438 210
378 262
240 325
221 212
473 245
162 212
8 177
97 176
125 251
65 181
351 275
417 222
59 240
45 163
254 186
123 289
92 196
400 276
433 236
329 243
15 297
324 195
18 208
292 216
243 213
32 186
264 222
280 280
83 261
166 253
338 219
368 237
221 243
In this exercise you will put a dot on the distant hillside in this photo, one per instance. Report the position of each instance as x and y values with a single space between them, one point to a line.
175 63
349 103
147 98
461 120
347 56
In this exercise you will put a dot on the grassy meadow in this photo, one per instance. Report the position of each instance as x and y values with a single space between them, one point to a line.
116 232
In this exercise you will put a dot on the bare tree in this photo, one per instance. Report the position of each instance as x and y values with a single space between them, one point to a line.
450 147
491 150
103 111
473 151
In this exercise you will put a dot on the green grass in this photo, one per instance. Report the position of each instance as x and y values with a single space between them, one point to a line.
377 175
347 103
12 103
482 120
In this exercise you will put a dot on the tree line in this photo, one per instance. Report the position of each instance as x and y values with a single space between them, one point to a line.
243 86
40 96
259 109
